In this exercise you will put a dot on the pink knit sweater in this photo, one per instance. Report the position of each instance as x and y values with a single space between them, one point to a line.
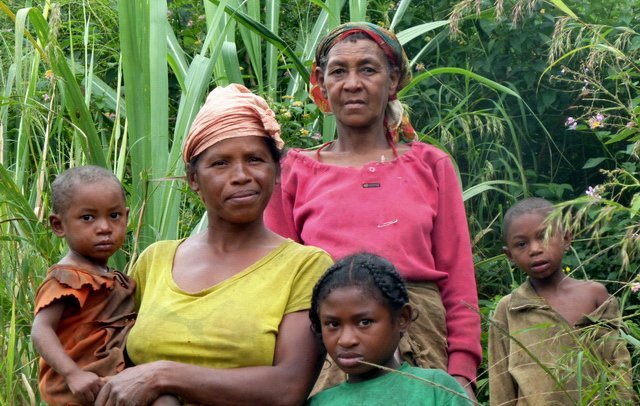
408 210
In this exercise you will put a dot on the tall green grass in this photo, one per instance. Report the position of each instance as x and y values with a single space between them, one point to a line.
111 83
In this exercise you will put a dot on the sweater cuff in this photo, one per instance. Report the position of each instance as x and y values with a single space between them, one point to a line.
463 364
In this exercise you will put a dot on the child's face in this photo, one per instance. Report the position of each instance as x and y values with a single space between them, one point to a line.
357 326
528 249
94 224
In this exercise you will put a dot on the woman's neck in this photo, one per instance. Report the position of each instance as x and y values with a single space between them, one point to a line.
358 149
360 140
225 237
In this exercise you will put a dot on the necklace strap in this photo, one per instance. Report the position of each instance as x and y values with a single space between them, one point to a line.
323 146
392 145
389 140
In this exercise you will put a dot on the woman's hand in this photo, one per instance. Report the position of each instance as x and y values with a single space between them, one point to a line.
297 361
133 386
466 384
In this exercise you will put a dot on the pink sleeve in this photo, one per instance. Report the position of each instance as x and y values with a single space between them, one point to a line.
452 254
278 216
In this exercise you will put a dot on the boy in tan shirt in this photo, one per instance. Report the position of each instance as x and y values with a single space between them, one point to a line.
539 330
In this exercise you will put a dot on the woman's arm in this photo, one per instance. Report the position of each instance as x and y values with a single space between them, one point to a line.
83 384
296 364
452 254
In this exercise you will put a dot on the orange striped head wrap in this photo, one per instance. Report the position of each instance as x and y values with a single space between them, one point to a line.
229 112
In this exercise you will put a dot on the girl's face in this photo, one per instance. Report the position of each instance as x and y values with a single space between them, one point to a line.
95 223
357 82
235 179
358 327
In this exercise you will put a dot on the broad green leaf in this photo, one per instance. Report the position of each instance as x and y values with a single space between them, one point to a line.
458 71
593 162
563 7
484 187
358 10
77 109
400 10
410 33
268 35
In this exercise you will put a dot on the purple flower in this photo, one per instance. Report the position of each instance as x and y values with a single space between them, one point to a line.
593 192
635 287
46 97
571 123
596 121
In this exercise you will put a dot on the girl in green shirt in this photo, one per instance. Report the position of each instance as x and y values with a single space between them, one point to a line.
360 309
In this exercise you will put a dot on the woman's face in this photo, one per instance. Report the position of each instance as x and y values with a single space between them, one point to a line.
235 179
357 82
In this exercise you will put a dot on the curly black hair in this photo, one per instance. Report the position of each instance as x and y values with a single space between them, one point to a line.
372 273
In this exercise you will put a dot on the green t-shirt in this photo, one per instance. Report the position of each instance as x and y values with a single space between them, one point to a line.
434 387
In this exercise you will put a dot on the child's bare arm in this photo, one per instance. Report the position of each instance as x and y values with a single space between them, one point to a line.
599 292
85 385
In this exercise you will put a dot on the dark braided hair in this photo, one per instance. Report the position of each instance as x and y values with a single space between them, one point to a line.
372 273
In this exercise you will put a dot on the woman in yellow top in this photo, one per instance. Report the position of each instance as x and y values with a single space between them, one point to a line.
223 314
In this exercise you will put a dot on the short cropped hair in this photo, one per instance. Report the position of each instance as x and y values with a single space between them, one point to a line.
63 186
528 205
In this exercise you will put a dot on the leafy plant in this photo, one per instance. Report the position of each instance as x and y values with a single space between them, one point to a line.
117 83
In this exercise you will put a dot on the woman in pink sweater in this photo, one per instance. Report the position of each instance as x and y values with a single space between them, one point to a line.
367 192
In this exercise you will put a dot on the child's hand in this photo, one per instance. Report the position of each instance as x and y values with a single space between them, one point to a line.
166 400
84 385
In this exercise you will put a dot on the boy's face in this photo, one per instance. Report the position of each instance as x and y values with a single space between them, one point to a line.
94 224
528 249
356 326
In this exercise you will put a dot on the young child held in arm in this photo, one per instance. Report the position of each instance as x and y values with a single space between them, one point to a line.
84 309
360 308
555 317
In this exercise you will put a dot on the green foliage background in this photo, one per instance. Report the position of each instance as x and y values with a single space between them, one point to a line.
117 83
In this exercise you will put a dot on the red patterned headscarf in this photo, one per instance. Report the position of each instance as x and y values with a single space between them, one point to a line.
396 119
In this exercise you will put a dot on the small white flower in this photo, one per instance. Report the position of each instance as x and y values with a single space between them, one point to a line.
593 192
